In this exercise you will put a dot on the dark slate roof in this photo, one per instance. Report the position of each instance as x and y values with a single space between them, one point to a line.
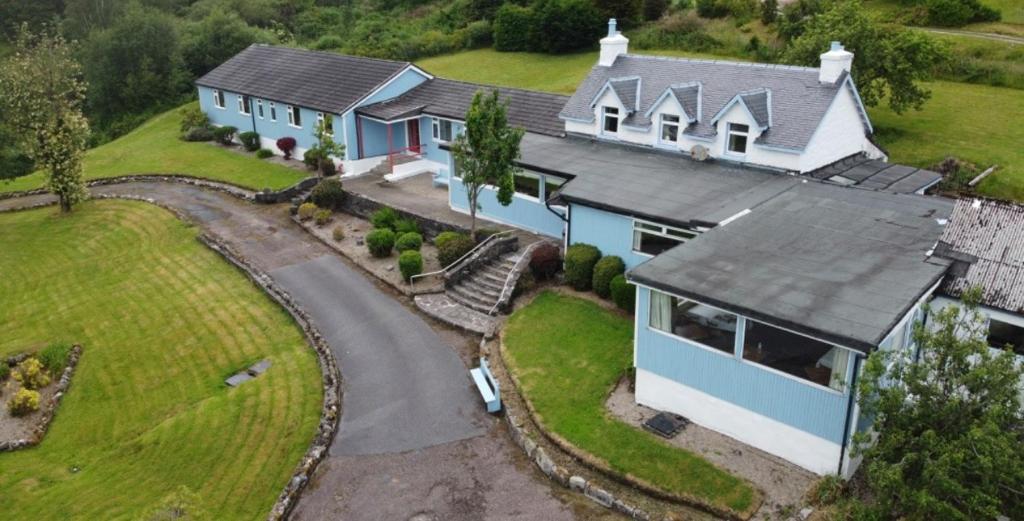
758 103
663 186
314 79
799 100
627 89
687 96
534 111
877 175
840 264
985 239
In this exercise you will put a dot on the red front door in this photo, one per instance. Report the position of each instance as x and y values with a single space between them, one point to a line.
413 133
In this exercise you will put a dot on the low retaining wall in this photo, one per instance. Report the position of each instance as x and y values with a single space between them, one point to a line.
283 196
50 408
363 206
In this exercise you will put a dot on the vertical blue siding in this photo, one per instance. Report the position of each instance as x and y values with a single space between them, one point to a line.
523 212
304 137
375 137
805 407
408 79
610 232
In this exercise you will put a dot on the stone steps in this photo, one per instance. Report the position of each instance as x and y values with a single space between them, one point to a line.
481 289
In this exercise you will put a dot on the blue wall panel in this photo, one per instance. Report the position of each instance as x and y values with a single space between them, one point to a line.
266 127
398 86
611 233
527 213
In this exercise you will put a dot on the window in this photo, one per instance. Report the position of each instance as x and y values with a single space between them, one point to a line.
327 121
273 112
611 120
1001 334
669 128
693 321
218 99
243 104
796 355
737 138
294 116
527 184
552 184
259 108
442 130
652 239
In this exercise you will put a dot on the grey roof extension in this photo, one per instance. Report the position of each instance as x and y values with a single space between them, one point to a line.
317 80
840 264
877 175
985 239
799 101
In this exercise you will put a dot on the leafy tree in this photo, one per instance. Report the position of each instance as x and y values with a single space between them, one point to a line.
42 95
625 12
81 17
769 11
891 62
35 14
485 153
950 424
326 147
653 9
567 25
217 37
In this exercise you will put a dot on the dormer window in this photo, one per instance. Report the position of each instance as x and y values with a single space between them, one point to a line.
736 139
669 128
610 120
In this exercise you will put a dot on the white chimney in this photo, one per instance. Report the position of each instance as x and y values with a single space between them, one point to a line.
833 63
612 45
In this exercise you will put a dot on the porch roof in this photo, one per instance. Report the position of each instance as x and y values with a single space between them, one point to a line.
840 264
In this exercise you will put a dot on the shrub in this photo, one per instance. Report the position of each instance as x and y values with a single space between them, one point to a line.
653 9
545 261
338 233
31 374
54 357
322 216
454 248
264 153
623 293
409 241
5 370
328 168
525 283
328 42
195 134
250 140
410 263
23 402
224 134
513 28
567 25
312 158
384 218
286 145
580 259
406 226
328 194
306 211
604 271
193 117
481 234
380 242
443 238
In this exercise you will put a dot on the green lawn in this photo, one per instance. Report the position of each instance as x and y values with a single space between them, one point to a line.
972 121
568 354
154 148
163 321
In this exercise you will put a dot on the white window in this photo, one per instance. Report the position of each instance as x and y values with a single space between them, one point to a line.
442 130
526 183
796 355
273 112
652 239
736 139
259 108
218 99
669 128
1004 334
327 121
243 105
610 123
700 323
294 116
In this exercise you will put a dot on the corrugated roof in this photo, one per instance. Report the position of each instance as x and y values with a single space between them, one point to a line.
799 100
986 239
876 175
534 111
318 80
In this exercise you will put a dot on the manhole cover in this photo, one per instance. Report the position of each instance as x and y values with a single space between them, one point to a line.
666 425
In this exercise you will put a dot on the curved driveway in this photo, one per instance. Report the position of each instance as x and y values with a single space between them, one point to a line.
414 442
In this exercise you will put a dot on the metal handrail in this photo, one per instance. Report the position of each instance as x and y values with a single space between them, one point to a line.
527 252
460 259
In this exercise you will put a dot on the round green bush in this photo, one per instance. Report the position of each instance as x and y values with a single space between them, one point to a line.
328 194
604 271
580 259
264 153
306 211
250 140
311 158
453 249
23 402
403 226
224 134
384 218
338 233
623 293
198 134
322 216
409 241
380 242
410 263
443 237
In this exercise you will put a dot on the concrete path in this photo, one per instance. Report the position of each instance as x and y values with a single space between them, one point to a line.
414 441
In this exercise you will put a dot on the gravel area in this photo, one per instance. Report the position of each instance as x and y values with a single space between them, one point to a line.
13 428
783 484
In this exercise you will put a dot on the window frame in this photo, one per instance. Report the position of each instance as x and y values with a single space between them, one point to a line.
607 111
536 177
259 108
697 343
436 127
273 111
661 128
218 99
730 132
639 227
327 121
244 107
293 116
849 354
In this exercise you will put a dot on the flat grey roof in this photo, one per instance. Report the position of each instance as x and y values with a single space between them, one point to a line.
877 175
839 264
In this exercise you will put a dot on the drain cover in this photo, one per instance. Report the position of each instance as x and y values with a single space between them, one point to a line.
666 425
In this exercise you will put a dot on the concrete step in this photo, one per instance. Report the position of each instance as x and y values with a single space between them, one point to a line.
445 309
494 272
489 293
470 299
487 282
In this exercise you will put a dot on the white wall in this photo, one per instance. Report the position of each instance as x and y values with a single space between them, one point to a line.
840 134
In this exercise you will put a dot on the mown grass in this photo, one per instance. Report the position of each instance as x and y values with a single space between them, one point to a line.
568 353
163 321
154 148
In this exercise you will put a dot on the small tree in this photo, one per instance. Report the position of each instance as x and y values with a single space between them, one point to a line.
486 152
769 11
41 94
326 147
949 424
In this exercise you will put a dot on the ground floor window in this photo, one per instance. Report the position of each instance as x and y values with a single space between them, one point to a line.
218 99
796 355
1002 334
273 112
259 108
442 130
694 321
326 121
294 116
551 185
652 239
527 184
243 105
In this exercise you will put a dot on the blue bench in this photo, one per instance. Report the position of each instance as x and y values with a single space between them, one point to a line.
487 385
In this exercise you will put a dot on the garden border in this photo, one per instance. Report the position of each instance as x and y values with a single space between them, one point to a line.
43 425
235 190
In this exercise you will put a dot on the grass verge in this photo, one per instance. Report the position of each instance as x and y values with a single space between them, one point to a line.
568 353
154 148
163 320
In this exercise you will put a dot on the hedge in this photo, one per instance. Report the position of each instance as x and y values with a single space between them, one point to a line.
623 293
453 248
328 194
580 259
604 271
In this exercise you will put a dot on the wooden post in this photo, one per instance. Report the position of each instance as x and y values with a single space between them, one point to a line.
391 158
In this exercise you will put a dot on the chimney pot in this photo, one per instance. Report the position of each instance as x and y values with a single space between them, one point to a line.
834 62
612 45
611 27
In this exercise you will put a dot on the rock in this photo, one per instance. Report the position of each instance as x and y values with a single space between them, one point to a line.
391 268
238 379
259 367
577 483
806 512
599 495
544 462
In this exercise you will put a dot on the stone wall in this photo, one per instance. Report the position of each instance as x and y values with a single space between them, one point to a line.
283 196
50 407
363 206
